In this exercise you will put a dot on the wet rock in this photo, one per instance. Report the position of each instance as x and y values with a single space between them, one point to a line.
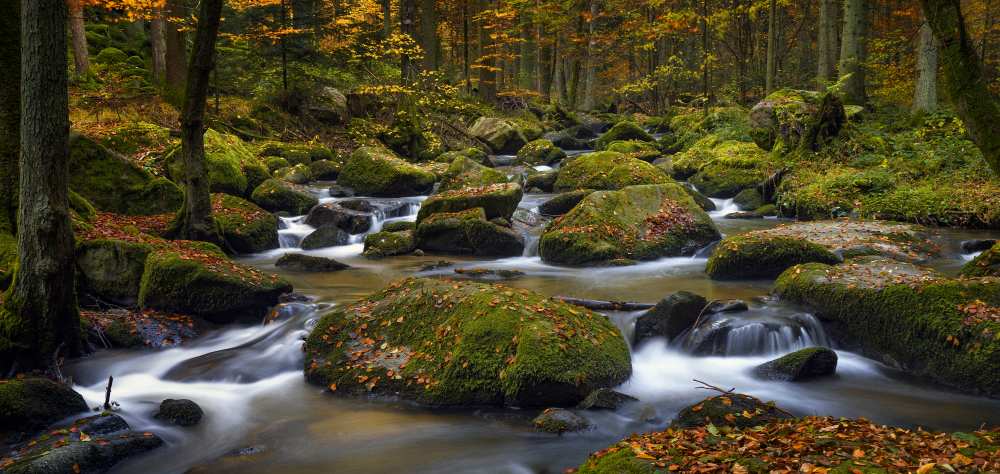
800 365
466 173
497 201
635 223
559 421
605 399
181 412
295 297
607 170
325 236
297 262
526 220
540 152
543 181
276 195
788 119
338 191
353 217
111 270
90 445
474 154
561 353
726 306
388 243
564 202
33 403
622 131
637 149
398 226
568 141
703 201
467 233
748 200
489 273
985 264
325 169
502 136
746 215
977 245
297 174
375 171
728 410
126 328
671 317
246 227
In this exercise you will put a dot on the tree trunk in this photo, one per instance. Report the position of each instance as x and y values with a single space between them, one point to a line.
925 93
964 79
705 77
158 46
176 47
408 27
40 320
591 69
429 34
487 61
852 51
303 19
528 74
81 57
10 114
386 18
827 40
772 47
559 85
466 66
195 221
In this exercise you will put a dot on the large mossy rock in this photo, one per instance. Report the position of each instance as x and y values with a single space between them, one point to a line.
246 227
800 365
622 131
502 136
31 404
767 253
564 202
907 316
467 232
201 281
111 269
352 216
376 171
729 410
295 174
790 119
442 342
637 149
540 152
298 262
233 167
497 200
112 183
635 223
474 154
389 244
296 153
671 317
464 172
276 195
723 169
985 264
607 170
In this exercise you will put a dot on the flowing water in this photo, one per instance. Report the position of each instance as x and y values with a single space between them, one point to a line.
261 416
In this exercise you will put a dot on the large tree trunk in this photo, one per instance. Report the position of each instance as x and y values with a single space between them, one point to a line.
827 43
964 78
591 69
559 84
176 46
527 76
303 20
40 320
705 66
81 57
158 46
429 34
925 93
772 47
466 55
408 27
487 61
386 18
10 114
195 221
852 51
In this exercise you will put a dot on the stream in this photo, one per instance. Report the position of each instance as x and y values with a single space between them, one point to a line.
262 417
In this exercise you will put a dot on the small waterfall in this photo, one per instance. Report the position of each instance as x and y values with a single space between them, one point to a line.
764 331
292 231
968 257
723 207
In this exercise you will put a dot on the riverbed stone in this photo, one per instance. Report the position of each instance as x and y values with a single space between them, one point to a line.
621 131
671 317
464 172
729 410
33 403
246 227
607 170
444 342
297 262
181 412
635 223
467 232
110 269
907 316
353 217
787 119
805 364
559 421
726 306
325 236
564 202
497 200
295 174
985 264
276 195
377 171
978 245
637 149
540 152
767 253
567 140
390 243
748 200
502 136
605 399
474 154
542 181
325 169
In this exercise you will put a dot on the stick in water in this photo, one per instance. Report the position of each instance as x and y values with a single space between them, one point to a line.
107 394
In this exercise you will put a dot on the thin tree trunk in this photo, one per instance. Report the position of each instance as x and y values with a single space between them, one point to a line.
925 93
429 34
705 77
852 51
408 27
487 66
591 69
195 221
386 18
158 46
176 47
527 76
81 57
40 319
466 66
964 78
283 45
825 42
557 71
772 47
10 114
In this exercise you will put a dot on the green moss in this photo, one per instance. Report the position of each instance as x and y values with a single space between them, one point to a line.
114 184
233 167
246 227
722 124
986 264
111 269
540 152
398 226
505 346
788 119
635 223
474 154
502 136
325 169
748 199
467 232
296 153
376 171
274 163
31 404
723 168
296 174
133 137
8 259
563 203
388 244
497 200
620 461
607 170
624 130
466 173
637 149
756 256
81 207
111 55
275 195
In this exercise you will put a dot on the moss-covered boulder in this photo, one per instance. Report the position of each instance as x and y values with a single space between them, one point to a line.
276 195
389 244
767 253
325 169
275 163
180 412
246 227
729 410
132 137
467 173
671 317
541 181
31 404
559 421
497 200
622 131
789 119
502 136
504 346
563 202
540 152
607 170
375 171
295 174
748 200
635 223
325 236
201 281
722 169
467 232
805 364
637 149
907 316
474 154
297 262
112 183
985 264
111 269
297 153
233 167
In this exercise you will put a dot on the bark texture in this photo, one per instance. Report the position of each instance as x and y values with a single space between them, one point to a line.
158 45
10 114
407 26
487 60
429 34
925 93
590 81
772 46
81 57
39 320
852 51
176 45
826 43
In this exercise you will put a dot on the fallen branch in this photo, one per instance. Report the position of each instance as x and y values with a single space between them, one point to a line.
599 305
